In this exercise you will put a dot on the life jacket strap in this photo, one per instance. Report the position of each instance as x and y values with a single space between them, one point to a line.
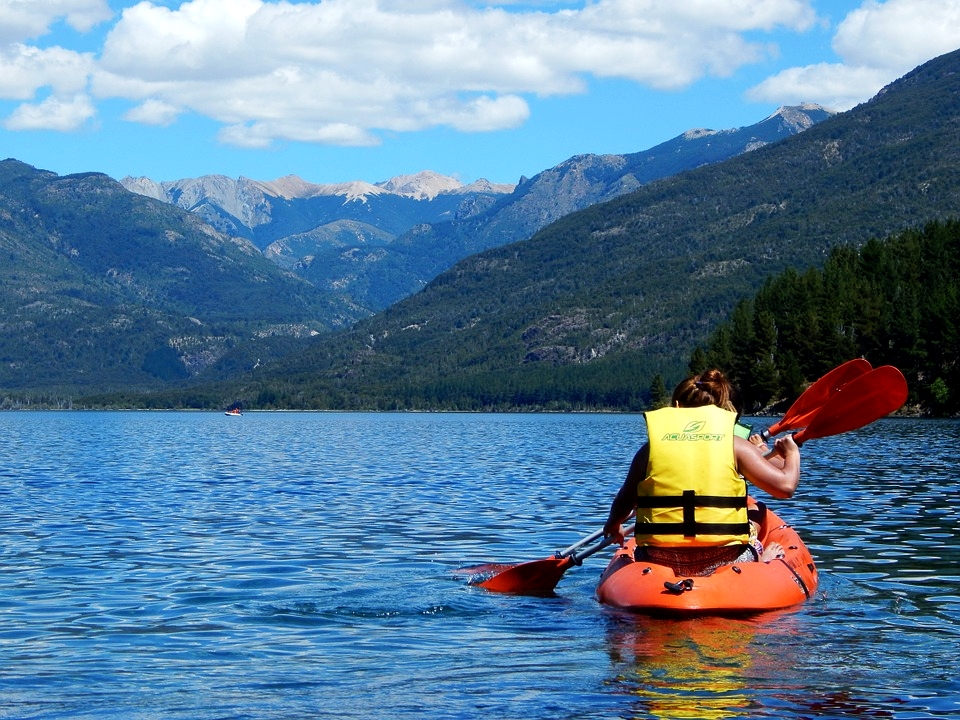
689 527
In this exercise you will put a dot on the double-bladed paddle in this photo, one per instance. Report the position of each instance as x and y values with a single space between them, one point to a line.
861 401
814 397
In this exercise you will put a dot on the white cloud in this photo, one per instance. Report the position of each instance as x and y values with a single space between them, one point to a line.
899 34
483 113
54 113
262 134
153 112
878 43
28 19
342 70
836 86
24 69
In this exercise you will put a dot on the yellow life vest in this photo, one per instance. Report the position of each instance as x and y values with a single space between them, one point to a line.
692 495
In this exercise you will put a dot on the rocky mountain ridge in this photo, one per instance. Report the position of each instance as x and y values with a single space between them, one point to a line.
185 193
243 205
103 288
378 243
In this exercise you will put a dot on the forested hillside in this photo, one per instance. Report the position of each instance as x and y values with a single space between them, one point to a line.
101 288
894 302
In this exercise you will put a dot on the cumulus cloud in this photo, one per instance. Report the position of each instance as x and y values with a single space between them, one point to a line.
153 112
29 19
24 69
54 113
877 43
340 71
27 69
833 85
262 134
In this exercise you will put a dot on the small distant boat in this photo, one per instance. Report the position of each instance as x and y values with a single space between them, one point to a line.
235 412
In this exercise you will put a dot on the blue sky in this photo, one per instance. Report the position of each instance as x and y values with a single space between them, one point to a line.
341 90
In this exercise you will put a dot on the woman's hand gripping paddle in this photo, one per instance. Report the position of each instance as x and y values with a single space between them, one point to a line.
815 396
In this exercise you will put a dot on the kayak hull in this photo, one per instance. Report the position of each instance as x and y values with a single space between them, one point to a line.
741 588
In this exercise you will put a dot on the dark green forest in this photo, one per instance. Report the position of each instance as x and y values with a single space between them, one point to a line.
893 302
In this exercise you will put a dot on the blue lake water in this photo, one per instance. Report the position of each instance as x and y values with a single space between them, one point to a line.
304 565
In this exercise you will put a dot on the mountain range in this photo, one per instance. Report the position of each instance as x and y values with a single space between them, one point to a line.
267 211
377 243
109 291
589 309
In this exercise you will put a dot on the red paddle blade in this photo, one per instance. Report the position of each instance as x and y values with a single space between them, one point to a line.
814 397
869 397
537 577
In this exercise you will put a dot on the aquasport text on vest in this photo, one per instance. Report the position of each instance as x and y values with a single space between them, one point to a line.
691 433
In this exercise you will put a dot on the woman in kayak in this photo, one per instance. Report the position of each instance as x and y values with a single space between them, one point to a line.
687 482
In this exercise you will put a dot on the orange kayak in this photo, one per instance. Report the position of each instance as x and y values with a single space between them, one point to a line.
741 588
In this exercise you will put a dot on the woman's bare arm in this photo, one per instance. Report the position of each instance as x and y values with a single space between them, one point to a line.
626 500
780 482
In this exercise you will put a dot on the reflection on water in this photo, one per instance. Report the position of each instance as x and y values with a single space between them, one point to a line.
694 668
762 667
890 524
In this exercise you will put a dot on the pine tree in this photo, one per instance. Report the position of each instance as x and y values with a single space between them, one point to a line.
658 392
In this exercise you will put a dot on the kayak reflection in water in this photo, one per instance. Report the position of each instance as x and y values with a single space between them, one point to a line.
688 482
684 668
